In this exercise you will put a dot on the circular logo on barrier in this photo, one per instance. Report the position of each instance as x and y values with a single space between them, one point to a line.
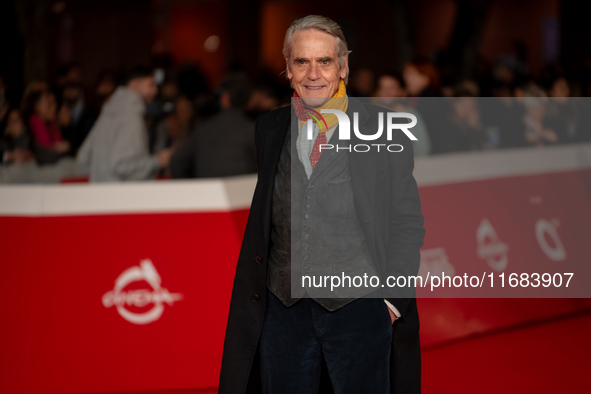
554 249
490 247
435 262
156 296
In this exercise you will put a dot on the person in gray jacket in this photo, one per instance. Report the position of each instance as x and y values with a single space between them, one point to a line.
116 148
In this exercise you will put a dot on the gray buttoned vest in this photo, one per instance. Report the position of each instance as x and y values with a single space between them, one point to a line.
315 231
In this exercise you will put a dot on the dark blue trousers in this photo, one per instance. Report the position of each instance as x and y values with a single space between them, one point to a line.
355 342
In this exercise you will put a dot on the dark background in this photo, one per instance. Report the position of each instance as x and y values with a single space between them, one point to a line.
463 37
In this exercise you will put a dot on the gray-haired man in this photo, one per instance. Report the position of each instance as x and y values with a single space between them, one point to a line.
315 211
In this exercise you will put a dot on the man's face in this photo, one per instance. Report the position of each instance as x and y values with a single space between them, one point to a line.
314 69
146 87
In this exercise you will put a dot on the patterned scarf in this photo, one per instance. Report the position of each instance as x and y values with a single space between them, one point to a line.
321 123
325 121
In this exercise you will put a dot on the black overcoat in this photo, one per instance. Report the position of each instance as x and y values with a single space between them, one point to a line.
389 209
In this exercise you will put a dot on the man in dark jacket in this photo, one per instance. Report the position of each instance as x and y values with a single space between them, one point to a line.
223 145
313 212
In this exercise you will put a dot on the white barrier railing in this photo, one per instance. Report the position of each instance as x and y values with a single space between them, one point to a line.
236 192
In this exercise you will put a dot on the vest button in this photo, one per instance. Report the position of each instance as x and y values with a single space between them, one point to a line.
258 260
306 216
255 298
306 257
306 267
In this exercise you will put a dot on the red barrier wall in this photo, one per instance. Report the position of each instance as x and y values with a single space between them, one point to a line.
137 299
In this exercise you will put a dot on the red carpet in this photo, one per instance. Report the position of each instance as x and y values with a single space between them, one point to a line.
550 357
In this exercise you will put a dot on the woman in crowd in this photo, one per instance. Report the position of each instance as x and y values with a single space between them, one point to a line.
537 132
15 141
40 111
422 83
421 78
467 131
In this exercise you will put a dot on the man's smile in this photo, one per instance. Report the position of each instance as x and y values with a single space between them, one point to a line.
315 87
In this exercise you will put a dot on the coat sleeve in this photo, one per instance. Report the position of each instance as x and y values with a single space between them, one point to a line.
258 142
130 157
406 231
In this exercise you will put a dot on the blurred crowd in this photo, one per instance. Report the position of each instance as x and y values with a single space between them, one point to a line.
167 122
507 108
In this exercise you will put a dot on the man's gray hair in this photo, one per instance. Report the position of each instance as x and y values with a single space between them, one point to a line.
323 24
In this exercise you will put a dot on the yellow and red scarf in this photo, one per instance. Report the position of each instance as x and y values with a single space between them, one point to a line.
325 121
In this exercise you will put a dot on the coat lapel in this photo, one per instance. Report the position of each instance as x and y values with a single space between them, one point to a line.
272 147
362 166
295 161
